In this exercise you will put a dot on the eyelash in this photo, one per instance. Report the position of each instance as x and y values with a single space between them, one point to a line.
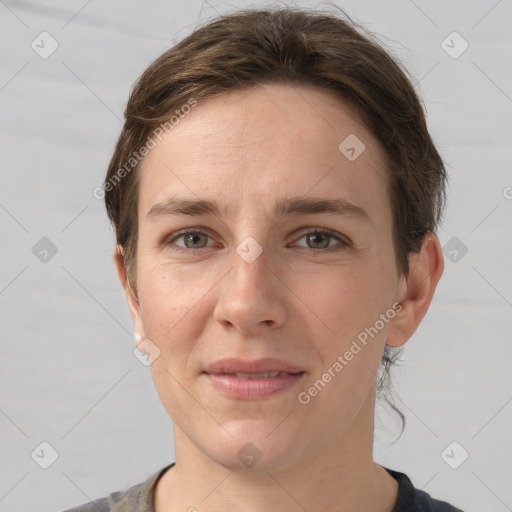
343 243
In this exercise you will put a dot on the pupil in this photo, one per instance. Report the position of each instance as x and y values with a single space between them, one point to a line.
193 237
314 237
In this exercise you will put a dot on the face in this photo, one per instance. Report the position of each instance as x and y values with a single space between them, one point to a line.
298 286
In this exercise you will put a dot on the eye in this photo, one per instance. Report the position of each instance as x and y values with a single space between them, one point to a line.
320 239
192 239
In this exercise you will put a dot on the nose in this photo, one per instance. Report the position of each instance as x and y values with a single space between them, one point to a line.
251 296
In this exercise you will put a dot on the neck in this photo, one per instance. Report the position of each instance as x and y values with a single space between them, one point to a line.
339 474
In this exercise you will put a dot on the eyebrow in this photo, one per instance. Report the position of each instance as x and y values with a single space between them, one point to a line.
284 207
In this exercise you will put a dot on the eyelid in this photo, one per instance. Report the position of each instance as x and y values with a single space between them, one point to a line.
333 234
343 241
178 234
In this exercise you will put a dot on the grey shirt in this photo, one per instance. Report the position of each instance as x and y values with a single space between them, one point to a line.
139 498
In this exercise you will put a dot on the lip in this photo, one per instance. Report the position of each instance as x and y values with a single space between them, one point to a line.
221 375
268 364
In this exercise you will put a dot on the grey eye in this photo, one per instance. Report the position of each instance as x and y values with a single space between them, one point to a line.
192 240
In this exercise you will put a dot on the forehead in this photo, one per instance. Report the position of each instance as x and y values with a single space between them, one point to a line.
251 145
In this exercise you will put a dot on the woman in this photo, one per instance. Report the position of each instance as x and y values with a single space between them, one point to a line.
257 137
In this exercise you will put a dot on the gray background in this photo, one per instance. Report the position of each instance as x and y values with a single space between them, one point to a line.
68 375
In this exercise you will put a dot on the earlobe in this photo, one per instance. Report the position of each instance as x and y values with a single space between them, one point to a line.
425 270
140 343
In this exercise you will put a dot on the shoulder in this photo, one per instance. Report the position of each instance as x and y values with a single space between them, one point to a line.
411 499
138 498
99 505
425 503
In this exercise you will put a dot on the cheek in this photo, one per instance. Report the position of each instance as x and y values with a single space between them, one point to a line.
169 305
342 300
169 309
349 304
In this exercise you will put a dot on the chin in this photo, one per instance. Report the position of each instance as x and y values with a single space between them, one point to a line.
251 460
256 447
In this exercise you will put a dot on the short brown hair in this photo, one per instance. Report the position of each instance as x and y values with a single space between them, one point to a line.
251 47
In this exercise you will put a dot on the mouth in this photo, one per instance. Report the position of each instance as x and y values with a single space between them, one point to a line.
263 375
252 380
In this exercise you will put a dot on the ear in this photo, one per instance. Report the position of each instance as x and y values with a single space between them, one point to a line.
132 300
416 291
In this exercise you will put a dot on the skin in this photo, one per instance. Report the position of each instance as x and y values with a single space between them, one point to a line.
302 300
